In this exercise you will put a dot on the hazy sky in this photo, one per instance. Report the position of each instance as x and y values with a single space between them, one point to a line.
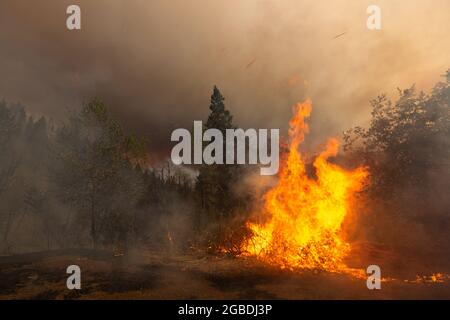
155 61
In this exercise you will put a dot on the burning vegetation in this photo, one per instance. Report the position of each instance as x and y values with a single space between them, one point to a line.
89 184
305 216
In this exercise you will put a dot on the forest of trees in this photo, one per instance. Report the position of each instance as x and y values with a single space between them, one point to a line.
82 184
407 149
87 183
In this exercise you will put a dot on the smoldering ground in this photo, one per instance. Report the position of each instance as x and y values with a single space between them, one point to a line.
150 276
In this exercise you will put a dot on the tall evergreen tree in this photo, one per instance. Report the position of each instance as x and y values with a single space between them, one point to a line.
219 118
216 199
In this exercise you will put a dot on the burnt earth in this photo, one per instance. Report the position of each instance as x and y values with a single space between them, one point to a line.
152 275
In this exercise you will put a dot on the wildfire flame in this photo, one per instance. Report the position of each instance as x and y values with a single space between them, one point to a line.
305 215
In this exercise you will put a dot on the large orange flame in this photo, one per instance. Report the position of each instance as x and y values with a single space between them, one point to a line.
305 215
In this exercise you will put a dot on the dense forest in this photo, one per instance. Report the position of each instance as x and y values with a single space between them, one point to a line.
81 184
407 150
88 183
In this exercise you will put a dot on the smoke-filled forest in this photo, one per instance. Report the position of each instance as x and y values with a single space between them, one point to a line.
249 150
85 186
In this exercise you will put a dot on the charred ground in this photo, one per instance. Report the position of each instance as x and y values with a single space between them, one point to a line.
158 276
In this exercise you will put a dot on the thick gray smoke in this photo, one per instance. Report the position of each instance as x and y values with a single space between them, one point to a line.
155 62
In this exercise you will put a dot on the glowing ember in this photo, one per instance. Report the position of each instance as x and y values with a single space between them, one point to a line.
305 215
434 278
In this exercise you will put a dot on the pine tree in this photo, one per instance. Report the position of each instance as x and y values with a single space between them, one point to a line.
216 199
219 118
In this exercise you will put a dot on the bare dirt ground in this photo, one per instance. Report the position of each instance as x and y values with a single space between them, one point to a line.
154 276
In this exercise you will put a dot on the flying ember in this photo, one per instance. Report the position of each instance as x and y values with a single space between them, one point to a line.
305 215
